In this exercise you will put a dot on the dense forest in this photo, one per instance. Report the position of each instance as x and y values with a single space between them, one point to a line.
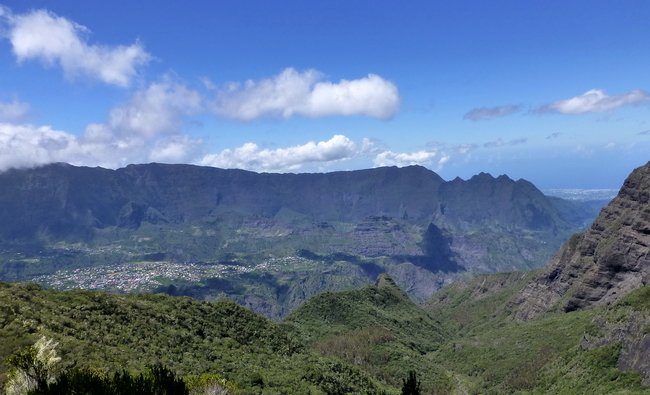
366 341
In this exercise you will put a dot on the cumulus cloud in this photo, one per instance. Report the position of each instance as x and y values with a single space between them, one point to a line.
293 93
252 157
595 100
339 148
54 40
484 113
390 158
157 109
27 145
13 111
422 158
149 125
146 128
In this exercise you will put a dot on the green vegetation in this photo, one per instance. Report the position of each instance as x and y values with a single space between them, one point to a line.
639 299
376 328
506 356
477 301
109 333
491 352
367 341
590 371
469 342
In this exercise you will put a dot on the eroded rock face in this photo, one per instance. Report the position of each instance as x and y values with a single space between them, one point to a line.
603 264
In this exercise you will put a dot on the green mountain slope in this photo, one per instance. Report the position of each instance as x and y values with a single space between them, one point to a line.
589 351
470 303
376 328
111 332
364 341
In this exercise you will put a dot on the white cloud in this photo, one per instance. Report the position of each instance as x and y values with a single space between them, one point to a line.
423 158
149 125
484 113
390 158
13 111
158 109
595 100
146 128
28 145
52 39
175 149
252 157
293 93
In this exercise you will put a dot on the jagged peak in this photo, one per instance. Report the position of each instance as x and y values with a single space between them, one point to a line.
482 176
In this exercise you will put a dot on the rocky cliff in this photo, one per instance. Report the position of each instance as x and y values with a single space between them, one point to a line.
604 263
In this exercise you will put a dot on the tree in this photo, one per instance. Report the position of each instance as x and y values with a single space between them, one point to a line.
411 385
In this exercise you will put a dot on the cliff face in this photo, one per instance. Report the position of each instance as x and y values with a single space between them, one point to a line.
603 264
67 201
63 200
353 225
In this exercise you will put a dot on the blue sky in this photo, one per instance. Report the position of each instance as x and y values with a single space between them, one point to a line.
553 92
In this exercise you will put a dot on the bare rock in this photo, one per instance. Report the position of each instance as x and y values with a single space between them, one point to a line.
603 264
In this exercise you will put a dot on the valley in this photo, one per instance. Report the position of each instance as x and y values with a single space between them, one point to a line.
562 328
208 233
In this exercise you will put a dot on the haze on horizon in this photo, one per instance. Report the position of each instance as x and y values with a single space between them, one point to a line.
556 93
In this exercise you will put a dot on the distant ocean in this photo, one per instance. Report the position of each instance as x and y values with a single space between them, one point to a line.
582 195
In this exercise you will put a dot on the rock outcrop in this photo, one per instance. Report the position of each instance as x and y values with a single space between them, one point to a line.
604 263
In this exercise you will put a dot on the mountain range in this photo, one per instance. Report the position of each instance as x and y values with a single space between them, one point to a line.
270 241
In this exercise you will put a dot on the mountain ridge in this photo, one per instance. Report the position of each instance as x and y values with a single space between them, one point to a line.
138 188
409 222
